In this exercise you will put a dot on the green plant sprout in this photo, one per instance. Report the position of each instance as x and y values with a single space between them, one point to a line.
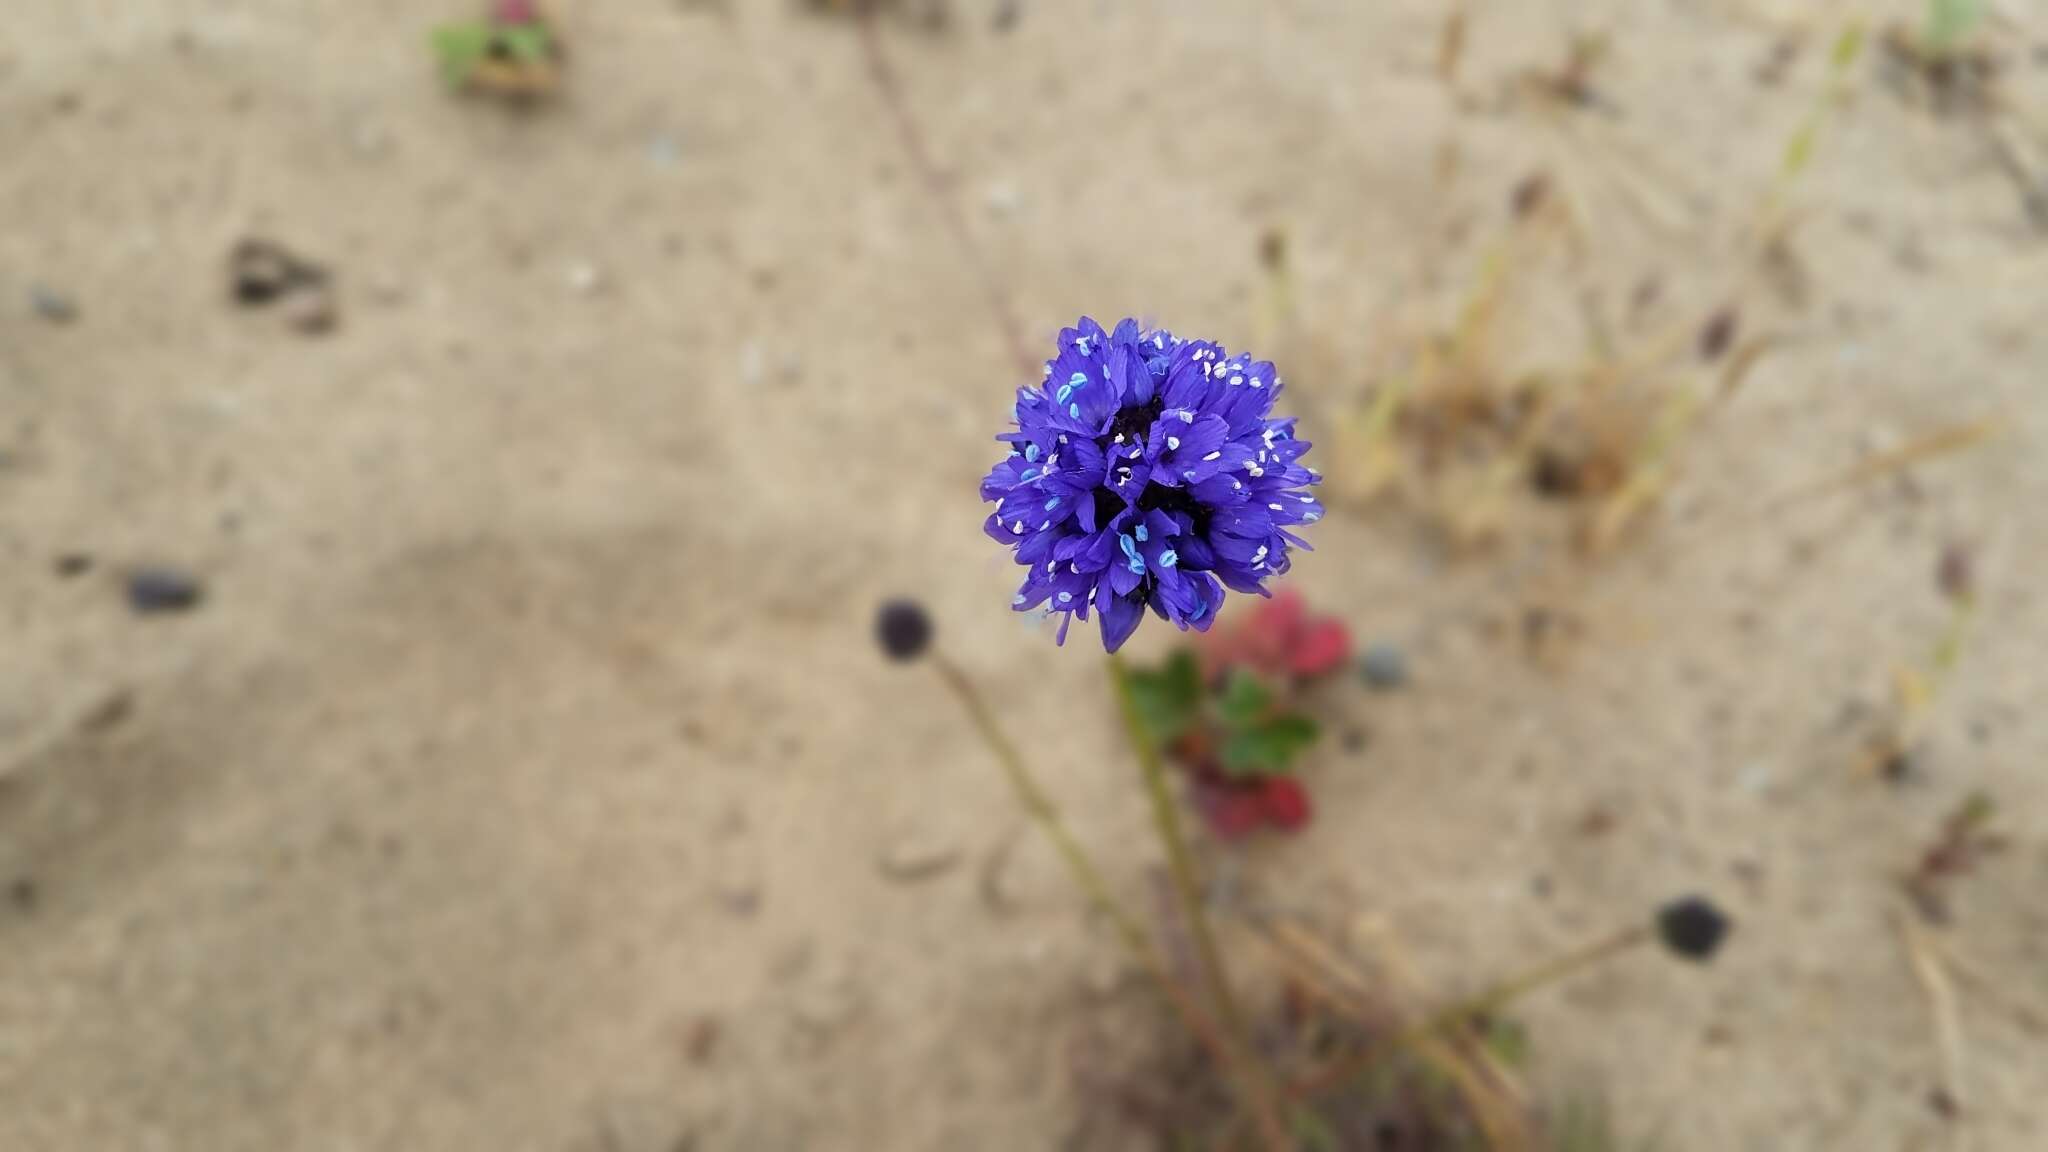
1948 23
462 49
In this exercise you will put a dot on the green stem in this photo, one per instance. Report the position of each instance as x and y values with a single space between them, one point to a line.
1039 806
1260 1095
1180 861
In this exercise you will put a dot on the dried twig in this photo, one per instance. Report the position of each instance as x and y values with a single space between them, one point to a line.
928 175
1941 1003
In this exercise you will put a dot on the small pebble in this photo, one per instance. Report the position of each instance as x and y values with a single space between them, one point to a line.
162 590
585 279
1718 333
1003 198
1904 766
73 564
260 272
310 310
701 1042
741 901
918 857
1384 667
52 305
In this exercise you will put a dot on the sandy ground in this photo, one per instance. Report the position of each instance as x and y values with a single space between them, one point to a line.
527 778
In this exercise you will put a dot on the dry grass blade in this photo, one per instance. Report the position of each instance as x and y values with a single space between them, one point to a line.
1932 446
1495 1098
1941 1002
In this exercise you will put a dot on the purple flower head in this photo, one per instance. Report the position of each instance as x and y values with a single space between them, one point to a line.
1144 472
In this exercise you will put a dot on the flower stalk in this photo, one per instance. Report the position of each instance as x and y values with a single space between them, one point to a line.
1221 1045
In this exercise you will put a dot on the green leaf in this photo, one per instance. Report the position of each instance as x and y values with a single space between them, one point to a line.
460 48
1245 700
1948 21
1848 46
1248 753
1294 732
1508 1040
1268 749
1168 697
527 43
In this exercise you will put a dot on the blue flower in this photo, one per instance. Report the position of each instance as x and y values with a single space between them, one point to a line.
1144 472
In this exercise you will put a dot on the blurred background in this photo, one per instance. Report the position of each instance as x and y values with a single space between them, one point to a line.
450 455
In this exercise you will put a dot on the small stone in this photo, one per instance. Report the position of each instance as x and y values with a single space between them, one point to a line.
22 892
163 590
1384 667
827 1006
1904 766
109 712
585 279
918 857
310 309
700 1041
1718 333
387 289
1003 198
52 305
742 901
72 564
260 272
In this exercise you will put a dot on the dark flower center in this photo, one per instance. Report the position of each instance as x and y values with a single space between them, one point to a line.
1132 426
1135 423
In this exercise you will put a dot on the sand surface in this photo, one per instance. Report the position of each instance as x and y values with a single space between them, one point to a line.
528 778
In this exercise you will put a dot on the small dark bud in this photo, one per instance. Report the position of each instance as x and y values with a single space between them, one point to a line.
1692 928
904 629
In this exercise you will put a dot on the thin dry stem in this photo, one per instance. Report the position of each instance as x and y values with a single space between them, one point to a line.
1187 890
1038 805
992 288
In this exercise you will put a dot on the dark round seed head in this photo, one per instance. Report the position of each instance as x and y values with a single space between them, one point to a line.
1692 928
904 629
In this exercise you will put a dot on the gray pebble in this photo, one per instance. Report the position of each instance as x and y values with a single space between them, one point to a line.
52 305
912 858
1384 667
161 590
